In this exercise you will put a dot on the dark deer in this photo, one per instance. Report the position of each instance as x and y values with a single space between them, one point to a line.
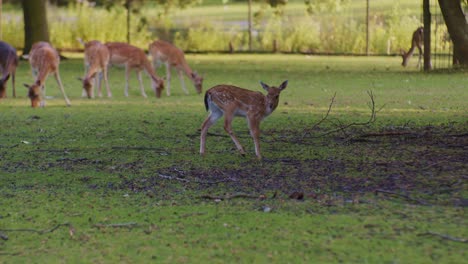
8 64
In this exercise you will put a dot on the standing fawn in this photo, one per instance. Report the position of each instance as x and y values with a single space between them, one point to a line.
44 59
134 58
173 57
232 101
96 61
417 41
8 64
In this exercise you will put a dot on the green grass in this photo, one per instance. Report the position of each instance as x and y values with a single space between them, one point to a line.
107 161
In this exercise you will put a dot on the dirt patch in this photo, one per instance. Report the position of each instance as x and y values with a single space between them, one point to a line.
428 161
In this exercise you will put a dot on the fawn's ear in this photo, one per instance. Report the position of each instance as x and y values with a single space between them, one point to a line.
26 85
283 85
265 86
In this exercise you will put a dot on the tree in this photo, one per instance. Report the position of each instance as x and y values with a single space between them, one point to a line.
457 28
35 23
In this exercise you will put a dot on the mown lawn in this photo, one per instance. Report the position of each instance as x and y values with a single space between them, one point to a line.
120 179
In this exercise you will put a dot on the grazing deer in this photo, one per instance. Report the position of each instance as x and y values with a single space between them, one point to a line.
417 41
173 57
134 58
8 64
232 101
44 59
96 61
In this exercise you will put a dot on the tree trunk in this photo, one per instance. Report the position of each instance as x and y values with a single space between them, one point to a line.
35 23
457 28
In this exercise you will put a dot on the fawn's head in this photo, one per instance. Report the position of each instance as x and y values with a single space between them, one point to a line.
158 86
87 86
404 56
272 98
34 93
197 81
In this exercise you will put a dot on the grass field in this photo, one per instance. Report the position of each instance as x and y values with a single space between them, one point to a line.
120 179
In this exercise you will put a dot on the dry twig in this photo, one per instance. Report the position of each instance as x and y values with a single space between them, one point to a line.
194 181
342 127
231 196
37 231
323 118
455 239
129 225
407 197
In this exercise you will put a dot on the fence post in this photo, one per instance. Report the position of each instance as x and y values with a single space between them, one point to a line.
427 35
367 28
250 25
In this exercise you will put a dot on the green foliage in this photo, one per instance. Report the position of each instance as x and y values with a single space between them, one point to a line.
339 27
207 37
316 7
80 22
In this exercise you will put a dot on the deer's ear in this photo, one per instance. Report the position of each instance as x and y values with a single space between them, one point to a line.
266 87
26 85
283 85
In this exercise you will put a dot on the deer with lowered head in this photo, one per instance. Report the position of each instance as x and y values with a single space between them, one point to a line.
417 41
231 101
44 60
8 64
96 59
134 58
173 57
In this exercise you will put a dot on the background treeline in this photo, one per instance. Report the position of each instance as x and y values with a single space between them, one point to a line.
327 26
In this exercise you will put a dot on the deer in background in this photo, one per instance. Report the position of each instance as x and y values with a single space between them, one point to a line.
417 41
96 59
134 58
173 57
231 101
44 60
8 64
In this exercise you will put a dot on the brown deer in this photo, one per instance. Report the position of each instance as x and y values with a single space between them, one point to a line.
173 57
134 58
230 101
8 64
417 41
96 62
44 59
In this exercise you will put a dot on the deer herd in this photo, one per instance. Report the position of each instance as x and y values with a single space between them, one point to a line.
221 100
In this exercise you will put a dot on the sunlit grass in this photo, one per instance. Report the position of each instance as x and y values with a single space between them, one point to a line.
104 161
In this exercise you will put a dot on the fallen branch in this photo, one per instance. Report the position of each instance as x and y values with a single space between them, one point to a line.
231 196
402 195
138 148
455 239
323 118
167 177
129 225
387 134
342 127
37 231
458 135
